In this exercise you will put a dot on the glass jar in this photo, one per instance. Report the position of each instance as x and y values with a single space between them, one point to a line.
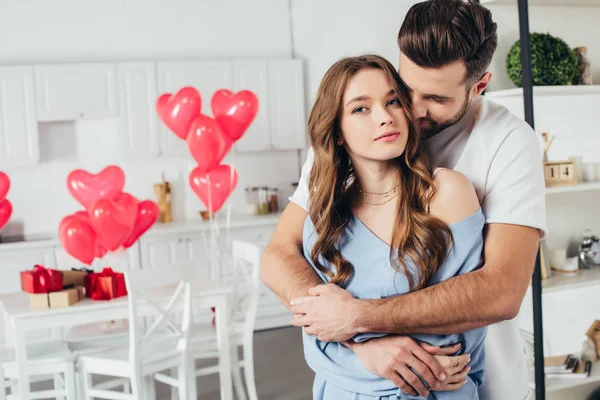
273 200
263 201
252 200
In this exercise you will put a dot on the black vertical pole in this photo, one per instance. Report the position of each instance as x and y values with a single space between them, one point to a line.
536 284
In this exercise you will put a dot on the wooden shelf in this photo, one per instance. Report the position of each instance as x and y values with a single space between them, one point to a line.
581 279
556 384
566 90
580 187
554 3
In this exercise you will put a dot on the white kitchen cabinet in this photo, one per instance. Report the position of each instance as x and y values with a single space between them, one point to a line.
119 261
206 76
66 92
287 106
138 119
19 140
253 75
17 257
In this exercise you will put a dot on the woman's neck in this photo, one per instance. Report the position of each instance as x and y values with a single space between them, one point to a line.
376 177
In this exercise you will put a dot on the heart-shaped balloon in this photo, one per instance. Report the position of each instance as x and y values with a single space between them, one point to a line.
215 186
5 212
100 250
147 214
78 238
113 220
4 185
234 112
88 188
178 111
207 143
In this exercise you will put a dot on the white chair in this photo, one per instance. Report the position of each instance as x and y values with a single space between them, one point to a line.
162 346
245 281
46 361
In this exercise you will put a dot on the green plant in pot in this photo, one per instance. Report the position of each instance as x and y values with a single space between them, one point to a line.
553 62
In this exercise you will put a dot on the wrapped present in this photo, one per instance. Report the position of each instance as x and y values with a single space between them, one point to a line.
41 280
74 277
60 299
105 285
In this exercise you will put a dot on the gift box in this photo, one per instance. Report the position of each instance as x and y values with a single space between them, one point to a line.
74 277
60 299
105 285
41 280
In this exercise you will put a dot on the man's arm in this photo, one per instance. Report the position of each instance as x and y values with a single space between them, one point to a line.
491 294
283 266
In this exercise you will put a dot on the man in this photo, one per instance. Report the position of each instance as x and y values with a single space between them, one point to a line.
446 47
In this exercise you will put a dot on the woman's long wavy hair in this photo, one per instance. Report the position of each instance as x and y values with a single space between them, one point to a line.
417 236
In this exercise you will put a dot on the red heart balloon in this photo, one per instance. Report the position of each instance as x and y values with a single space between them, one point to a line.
88 188
207 143
234 112
5 212
4 185
100 250
113 220
78 238
214 187
147 214
179 110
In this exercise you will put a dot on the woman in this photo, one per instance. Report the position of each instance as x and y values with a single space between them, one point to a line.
382 222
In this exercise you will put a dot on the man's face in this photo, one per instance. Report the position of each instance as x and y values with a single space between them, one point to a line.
439 95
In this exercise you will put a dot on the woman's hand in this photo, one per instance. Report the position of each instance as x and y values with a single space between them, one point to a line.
396 357
457 369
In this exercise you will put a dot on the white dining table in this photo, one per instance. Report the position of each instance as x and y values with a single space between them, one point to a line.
23 318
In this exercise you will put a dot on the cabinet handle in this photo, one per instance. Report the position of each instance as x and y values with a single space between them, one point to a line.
179 240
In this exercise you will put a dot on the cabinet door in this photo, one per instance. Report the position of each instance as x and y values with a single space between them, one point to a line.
253 76
137 99
287 109
161 251
15 258
66 92
18 126
207 77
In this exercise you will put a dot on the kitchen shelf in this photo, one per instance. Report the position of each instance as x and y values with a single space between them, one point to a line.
566 90
556 384
556 3
580 187
581 279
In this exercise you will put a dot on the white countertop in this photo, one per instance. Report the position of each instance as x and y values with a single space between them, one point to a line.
182 226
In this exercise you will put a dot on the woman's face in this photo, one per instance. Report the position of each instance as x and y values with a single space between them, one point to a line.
373 123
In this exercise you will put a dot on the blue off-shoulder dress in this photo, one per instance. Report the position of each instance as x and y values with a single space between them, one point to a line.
339 373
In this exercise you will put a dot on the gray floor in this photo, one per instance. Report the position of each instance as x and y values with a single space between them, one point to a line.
281 372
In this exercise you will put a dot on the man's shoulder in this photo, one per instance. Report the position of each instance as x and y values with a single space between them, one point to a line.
495 123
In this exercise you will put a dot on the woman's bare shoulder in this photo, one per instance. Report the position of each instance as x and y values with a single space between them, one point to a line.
455 198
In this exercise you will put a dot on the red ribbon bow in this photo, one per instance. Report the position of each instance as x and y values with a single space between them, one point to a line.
41 280
105 285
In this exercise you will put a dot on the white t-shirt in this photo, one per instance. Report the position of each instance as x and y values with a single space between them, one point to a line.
501 155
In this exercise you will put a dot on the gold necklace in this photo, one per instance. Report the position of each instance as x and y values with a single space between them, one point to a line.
387 200
388 196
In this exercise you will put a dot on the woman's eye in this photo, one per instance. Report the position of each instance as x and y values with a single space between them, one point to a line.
359 110
395 102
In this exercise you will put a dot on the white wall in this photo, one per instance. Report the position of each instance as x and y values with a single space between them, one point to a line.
577 26
325 31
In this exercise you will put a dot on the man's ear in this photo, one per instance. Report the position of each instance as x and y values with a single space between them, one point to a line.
480 86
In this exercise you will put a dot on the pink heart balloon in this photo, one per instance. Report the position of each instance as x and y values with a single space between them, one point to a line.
147 214
100 250
214 187
78 238
113 220
5 212
207 143
4 185
88 188
234 112
178 111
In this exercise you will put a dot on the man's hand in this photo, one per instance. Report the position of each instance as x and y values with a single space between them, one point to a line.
393 357
328 315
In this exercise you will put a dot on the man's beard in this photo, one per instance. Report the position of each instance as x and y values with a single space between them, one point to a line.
434 127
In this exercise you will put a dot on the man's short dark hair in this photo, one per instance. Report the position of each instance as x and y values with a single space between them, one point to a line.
438 32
